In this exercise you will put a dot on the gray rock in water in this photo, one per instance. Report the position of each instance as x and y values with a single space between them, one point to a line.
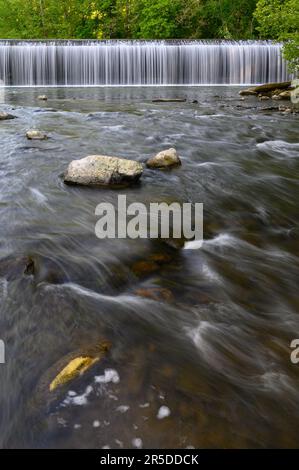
36 135
102 170
5 116
42 97
165 159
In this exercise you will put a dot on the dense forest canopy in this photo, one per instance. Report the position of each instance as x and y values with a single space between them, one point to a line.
148 19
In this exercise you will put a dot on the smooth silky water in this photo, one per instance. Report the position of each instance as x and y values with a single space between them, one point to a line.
207 332
90 63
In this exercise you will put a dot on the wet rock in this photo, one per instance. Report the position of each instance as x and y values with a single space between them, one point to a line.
143 268
74 366
155 293
248 92
69 368
30 267
13 267
169 100
161 258
266 88
270 108
264 98
195 102
6 116
151 264
282 108
165 159
285 95
36 135
42 98
73 369
103 170
276 98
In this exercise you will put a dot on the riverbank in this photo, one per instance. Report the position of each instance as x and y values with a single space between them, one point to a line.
285 92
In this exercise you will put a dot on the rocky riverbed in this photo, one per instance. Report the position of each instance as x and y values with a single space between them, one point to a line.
139 343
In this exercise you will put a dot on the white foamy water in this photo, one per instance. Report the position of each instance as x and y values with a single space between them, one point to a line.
140 63
110 375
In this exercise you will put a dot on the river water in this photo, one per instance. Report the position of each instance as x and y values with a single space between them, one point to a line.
200 343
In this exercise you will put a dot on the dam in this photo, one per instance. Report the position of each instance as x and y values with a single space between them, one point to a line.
140 63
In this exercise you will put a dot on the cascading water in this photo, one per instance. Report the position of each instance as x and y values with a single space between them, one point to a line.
65 63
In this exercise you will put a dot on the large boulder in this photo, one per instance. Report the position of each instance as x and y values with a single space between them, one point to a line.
6 116
165 159
103 170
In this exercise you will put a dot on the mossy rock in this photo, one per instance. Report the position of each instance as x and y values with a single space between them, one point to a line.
65 371
75 367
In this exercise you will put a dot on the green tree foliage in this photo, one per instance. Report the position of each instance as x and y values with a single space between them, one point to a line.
279 19
146 19
151 19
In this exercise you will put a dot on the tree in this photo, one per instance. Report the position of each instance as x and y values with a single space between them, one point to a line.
156 20
279 19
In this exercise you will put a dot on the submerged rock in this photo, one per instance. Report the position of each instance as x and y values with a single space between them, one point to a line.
103 170
169 100
6 116
30 267
75 365
14 267
155 293
36 135
165 159
151 264
74 368
42 97
53 382
144 268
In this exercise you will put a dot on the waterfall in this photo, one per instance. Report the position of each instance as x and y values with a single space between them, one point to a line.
92 63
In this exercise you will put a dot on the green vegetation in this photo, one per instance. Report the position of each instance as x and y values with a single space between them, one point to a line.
279 19
148 19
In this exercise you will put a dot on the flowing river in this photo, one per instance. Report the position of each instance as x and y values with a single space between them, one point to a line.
200 341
